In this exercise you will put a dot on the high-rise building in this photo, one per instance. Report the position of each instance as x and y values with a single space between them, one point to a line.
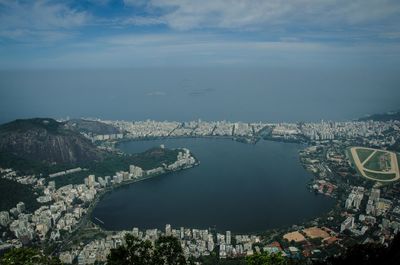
347 224
52 185
228 237
90 180
349 203
168 230
135 232
210 245
357 201
375 194
4 218
135 171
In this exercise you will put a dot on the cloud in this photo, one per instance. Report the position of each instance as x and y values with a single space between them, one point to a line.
156 94
46 33
41 19
188 49
141 21
244 14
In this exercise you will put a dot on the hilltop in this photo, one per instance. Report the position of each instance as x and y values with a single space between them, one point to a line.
388 116
46 141
91 126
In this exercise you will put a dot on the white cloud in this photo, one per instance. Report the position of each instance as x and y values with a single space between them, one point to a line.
186 49
156 94
38 19
142 21
185 15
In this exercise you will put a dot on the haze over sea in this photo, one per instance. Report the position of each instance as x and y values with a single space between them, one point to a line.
270 94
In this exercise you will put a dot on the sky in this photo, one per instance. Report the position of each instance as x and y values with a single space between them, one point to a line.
52 34
248 60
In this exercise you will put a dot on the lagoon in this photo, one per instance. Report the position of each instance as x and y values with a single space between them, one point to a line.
239 187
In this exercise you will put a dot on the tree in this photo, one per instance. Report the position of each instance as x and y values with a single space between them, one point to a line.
367 254
27 256
167 251
135 251
265 259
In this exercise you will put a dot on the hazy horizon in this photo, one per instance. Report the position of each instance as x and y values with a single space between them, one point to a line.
236 94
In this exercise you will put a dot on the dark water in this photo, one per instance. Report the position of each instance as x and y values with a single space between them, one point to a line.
238 187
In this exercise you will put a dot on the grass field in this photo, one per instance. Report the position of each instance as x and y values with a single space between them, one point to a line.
372 168
364 154
380 176
373 163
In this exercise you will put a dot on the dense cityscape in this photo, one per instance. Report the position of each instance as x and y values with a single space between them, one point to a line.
365 211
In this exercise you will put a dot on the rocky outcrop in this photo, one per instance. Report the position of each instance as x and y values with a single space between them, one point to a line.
46 140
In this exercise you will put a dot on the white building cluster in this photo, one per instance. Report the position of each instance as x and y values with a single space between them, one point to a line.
375 130
184 159
194 242
154 129
377 211
65 206
65 172
355 198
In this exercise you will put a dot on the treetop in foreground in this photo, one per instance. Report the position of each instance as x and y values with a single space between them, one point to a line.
166 251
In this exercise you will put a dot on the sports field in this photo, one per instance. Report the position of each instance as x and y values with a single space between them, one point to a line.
375 164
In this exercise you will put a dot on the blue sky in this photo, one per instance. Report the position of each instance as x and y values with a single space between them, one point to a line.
137 33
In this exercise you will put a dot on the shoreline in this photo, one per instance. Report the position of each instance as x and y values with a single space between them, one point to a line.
87 219
301 146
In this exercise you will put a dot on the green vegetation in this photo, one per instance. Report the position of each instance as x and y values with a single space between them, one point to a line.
27 124
363 153
27 166
213 259
166 251
75 178
89 126
380 176
112 163
350 155
367 254
374 162
266 259
27 256
87 235
396 146
12 192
